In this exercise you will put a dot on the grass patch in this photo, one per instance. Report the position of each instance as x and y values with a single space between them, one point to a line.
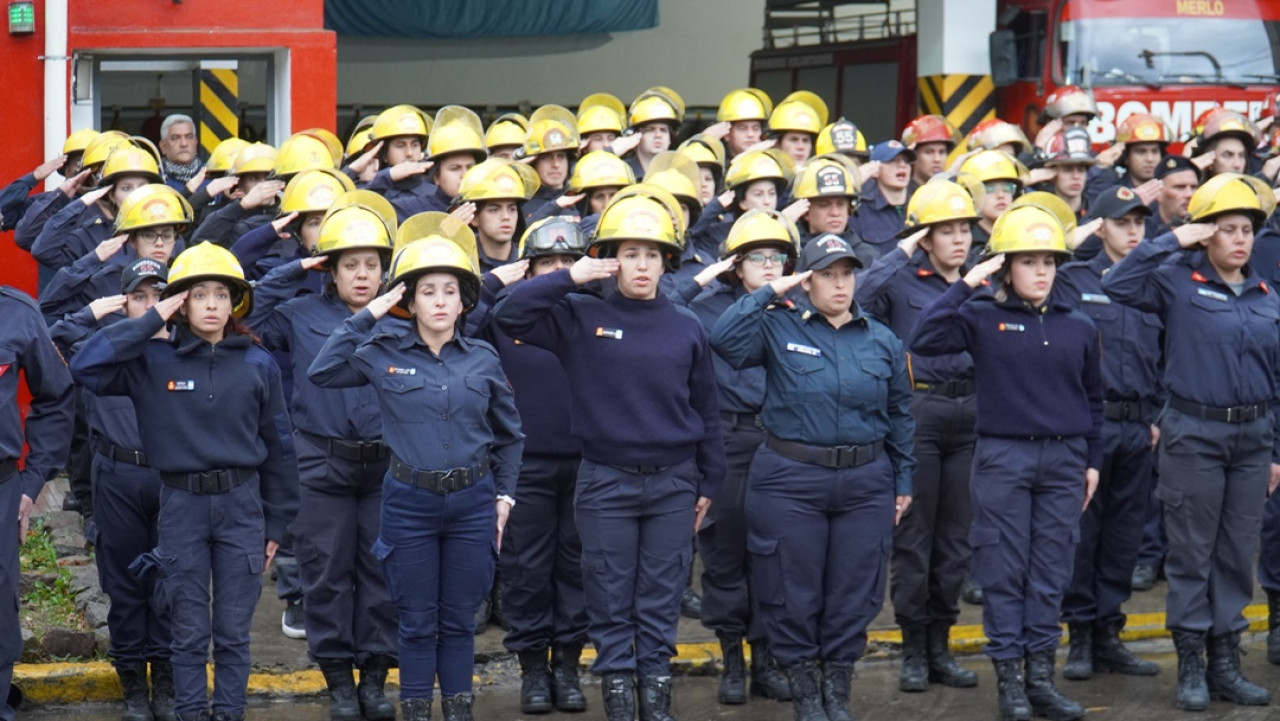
51 602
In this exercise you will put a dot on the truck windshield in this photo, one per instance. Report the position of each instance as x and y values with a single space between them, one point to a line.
1168 51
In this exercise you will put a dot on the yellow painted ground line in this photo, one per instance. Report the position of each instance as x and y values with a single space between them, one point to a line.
60 683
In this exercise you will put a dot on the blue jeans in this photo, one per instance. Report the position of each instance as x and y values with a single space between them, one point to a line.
220 536
438 553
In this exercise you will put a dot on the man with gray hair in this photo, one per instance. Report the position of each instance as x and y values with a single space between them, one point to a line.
178 147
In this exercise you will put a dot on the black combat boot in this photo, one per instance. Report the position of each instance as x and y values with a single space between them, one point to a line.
619 693
457 708
943 668
343 705
971 593
535 682
416 709
1223 676
371 691
915 659
137 703
806 691
1193 690
1273 627
1011 686
565 688
733 680
767 680
1110 655
836 680
1046 700
1079 665
655 698
162 690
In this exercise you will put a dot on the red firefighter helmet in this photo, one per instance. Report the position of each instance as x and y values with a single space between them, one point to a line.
991 133
1069 100
930 129
1217 123
1144 128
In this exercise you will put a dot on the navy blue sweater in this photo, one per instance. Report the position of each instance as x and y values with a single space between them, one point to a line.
644 389
1038 371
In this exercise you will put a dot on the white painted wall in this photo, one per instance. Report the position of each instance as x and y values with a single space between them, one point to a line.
701 48
962 28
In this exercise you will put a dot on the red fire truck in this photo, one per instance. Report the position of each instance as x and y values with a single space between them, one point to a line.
1171 58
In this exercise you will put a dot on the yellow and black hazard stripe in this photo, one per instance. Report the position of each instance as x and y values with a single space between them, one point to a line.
219 106
964 100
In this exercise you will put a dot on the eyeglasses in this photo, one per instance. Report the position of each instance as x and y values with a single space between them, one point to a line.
761 260
1000 186
158 237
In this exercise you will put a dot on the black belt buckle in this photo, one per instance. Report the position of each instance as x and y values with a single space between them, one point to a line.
211 482
1243 414
454 479
373 450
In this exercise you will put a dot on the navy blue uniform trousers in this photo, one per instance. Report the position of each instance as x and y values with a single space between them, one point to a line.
728 606
347 611
1112 526
438 553
931 542
126 509
636 530
1027 496
218 536
10 635
1213 484
819 540
541 558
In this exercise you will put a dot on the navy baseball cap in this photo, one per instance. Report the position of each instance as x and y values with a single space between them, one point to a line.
890 149
141 270
824 250
1171 164
1117 202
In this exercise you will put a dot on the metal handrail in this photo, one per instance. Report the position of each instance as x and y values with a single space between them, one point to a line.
819 25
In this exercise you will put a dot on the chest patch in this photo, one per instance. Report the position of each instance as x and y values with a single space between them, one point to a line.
611 333
1011 328
804 350
1095 298
181 386
393 370
1212 294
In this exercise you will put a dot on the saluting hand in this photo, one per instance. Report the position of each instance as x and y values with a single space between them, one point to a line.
218 186
700 512
167 307
983 270
71 185
511 272
194 184
412 167
762 145
1050 129
1108 157
366 160
725 198
718 130
783 285
711 272
623 144
94 195
1082 233
796 210
465 212
587 269
46 168
1193 234
1041 175
385 302
565 202
261 194
313 262
1203 161
870 169
909 244
1090 485
104 307
279 224
110 247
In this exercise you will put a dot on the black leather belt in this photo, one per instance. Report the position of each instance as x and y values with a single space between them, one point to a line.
441 482
741 420
8 469
1122 410
123 455
348 450
1234 414
205 482
955 388
827 456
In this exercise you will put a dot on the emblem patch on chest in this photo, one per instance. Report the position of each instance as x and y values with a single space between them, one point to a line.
1011 328
804 350
614 333
182 386
1212 294
402 371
